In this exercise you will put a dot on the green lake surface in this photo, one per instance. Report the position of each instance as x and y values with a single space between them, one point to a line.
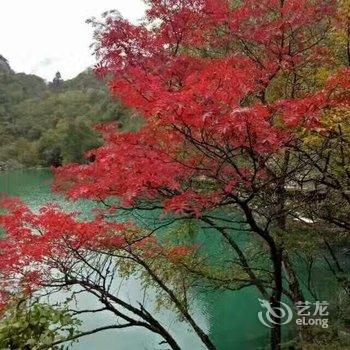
231 318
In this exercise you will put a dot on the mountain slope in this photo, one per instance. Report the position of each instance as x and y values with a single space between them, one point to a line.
50 124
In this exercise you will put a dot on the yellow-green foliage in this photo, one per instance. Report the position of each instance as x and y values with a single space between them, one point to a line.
33 326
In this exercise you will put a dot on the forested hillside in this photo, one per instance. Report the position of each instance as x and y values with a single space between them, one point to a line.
51 124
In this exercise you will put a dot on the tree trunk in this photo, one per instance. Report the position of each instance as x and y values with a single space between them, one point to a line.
275 300
293 282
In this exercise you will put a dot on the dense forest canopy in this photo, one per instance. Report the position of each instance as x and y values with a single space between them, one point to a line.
51 124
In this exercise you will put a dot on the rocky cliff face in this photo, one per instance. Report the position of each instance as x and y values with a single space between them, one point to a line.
4 65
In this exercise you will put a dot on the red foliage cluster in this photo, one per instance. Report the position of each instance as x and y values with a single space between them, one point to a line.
35 242
202 96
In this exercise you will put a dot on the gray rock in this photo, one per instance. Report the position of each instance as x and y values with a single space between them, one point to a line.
4 65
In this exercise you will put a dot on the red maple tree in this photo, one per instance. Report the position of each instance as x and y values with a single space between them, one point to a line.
219 131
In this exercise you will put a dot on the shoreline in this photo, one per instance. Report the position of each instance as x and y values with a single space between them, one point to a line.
10 168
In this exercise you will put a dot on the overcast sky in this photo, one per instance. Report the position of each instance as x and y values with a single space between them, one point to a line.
44 36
